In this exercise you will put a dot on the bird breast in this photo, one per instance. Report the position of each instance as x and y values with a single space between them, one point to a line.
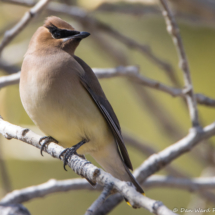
55 100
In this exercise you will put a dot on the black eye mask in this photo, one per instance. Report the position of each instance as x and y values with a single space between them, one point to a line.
61 33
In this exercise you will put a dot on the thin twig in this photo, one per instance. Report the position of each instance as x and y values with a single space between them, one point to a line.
99 201
173 30
192 185
28 16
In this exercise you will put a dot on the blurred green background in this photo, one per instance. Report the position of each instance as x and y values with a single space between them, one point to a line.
24 163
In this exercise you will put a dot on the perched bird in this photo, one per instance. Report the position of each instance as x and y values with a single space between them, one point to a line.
62 96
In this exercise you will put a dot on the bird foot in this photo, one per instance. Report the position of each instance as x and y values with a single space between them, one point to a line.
47 140
68 152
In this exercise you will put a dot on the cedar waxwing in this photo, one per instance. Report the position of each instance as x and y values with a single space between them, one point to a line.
62 96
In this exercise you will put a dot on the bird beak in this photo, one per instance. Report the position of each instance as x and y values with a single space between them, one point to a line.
80 35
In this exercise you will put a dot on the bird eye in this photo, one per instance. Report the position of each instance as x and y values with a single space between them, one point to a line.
57 35
61 33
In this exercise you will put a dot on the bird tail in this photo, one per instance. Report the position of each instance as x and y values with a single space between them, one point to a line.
136 184
109 158
133 180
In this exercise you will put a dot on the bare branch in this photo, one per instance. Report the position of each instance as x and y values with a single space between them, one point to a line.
109 204
201 99
82 167
105 193
13 209
114 200
146 149
28 16
9 80
86 169
87 20
157 161
133 72
173 30
28 3
130 72
196 200
90 22
192 185
52 186
10 69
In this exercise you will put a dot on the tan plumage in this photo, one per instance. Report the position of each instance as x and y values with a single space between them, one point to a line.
61 94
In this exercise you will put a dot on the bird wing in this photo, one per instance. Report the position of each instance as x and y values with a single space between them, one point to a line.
91 84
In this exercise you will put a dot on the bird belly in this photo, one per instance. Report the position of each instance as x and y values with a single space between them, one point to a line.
69 117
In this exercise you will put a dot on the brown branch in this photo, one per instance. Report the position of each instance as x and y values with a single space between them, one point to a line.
28 16
173 30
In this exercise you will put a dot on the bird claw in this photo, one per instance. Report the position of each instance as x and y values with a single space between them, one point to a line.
47 140
67 153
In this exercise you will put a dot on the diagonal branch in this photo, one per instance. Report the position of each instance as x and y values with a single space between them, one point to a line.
105 193
28 16
86 169
157 161
130 72
13 209
173 30
146 149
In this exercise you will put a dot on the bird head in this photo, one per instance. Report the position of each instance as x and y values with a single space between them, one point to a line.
57 33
